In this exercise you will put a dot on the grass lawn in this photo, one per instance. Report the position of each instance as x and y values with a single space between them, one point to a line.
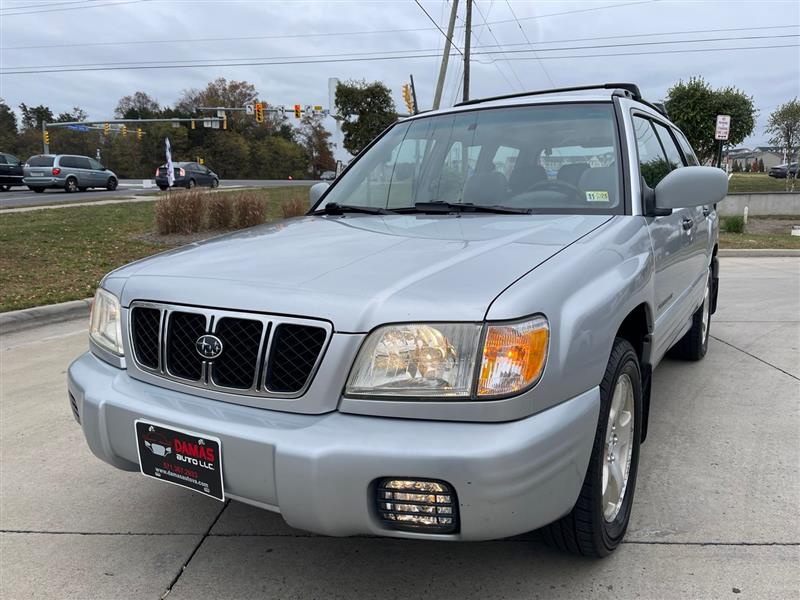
59 254
757 182
755 241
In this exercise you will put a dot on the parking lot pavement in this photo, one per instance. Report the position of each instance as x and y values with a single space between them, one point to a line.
717 509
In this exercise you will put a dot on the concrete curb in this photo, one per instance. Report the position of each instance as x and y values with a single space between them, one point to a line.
28 318
746 253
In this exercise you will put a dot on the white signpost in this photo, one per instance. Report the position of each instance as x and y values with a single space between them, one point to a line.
723 129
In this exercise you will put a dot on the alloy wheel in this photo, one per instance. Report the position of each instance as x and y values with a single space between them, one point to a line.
618 447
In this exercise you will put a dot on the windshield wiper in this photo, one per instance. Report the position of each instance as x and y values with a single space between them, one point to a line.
333 208
448 207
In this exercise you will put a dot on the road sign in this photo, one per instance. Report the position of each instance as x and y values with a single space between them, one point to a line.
78 127
250 109
206 123
723 128
221 114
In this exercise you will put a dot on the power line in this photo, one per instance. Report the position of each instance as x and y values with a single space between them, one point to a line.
494 37
370 32
525 35
500 49
494 63
5 13
393 57
437 27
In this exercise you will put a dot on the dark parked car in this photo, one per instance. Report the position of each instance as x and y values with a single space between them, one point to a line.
328 175
188 175
10 171
780 171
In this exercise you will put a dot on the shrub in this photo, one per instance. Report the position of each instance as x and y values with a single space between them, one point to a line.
220 212
293 207
250 210
179 212
733 224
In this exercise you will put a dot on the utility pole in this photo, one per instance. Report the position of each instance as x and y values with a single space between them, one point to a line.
467 40
437 97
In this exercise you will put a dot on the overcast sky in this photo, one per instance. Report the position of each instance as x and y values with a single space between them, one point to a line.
88 32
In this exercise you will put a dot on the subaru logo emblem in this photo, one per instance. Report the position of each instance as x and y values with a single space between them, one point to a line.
208 346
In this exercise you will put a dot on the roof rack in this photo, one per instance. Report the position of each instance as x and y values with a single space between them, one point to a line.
629 90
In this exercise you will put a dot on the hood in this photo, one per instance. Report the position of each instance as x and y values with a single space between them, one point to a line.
358 271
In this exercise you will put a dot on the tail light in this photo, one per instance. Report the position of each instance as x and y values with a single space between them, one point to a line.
157 170
181 173
56 171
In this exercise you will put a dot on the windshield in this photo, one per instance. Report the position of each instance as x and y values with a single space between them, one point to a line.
546 158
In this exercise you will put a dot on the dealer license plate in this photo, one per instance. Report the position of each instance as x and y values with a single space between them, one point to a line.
185 458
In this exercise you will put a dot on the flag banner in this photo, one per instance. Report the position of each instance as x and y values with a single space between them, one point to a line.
170 169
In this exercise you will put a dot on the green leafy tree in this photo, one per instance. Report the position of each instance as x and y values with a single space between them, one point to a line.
784 128
760 165
316 141
221 92
365 109
32 116
8 126
694 105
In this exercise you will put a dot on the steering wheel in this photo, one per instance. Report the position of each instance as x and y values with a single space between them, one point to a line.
556 185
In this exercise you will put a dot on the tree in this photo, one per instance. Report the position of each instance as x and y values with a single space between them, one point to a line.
365 109
33 116
760 165
693 106
8 126
76 114
221 92
316 141
784 128
139 105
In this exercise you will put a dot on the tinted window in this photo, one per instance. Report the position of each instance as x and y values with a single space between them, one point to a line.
82 162
691 159
12 160
70 162
653 165
670 147
95 165
3 159
40 161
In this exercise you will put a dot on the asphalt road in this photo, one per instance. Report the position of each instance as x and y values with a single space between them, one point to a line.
18 196
716 514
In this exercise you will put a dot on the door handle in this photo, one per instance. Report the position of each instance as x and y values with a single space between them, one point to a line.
687 223
706 211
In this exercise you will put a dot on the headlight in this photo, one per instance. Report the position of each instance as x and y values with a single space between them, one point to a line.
105 328
440 360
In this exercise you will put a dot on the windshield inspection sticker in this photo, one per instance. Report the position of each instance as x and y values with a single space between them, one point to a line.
597 196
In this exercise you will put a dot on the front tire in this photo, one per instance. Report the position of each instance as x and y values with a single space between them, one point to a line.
599 519
4 188
694 345
111 184
163 188
214 183
191 184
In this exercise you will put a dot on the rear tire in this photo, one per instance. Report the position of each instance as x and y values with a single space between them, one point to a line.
111 184
4 188
694 345
163 188
214 184
38 190
71 185
191 184
598 521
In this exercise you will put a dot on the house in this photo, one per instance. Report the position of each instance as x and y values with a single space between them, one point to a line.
771 156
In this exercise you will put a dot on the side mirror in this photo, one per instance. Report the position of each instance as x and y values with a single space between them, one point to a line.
691 186
316 191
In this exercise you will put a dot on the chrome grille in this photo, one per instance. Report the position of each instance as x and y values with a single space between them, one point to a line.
262 355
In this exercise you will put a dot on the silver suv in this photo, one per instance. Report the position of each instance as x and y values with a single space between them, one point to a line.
68 172
455 343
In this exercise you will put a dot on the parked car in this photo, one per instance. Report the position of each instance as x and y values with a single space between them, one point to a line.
68 172
780 171
328 175
188 175
428 353
10 171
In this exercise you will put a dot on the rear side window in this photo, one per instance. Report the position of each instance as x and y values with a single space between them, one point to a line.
69 162
688 153
653 164
3 159
673 154
40 161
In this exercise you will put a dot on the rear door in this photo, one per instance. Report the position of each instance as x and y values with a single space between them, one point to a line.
672 243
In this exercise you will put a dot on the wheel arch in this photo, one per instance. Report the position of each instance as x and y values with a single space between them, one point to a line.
637 328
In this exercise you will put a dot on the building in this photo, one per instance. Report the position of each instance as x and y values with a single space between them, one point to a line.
771 156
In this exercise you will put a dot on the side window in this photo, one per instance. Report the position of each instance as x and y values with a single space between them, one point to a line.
82 162
3 159
95 165
691 158
653 165
673 154
67 162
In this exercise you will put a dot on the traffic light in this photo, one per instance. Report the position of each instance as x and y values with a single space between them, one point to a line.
259 112
408 98
193 125
297 111
46 135
138 133
124 130
224 121
106 128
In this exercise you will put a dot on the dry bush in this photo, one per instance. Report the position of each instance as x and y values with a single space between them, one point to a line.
250 210
179 212
293 207
220 212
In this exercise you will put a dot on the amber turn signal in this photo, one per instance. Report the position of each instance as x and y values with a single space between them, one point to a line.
514 356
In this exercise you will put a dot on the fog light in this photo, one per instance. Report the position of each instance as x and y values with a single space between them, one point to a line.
418 505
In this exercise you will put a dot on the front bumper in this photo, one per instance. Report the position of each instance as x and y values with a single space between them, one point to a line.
10 179
319 471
